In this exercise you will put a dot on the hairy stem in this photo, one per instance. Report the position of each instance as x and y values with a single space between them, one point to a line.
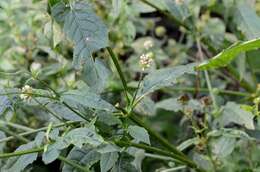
38 130
119 70
73 164
156 135
162 152
13 134
207 76
14 125
133 117
20 153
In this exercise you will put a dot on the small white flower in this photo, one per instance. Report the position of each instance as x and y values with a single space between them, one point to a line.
145 61
179 2
148 44
87 39
26 92
35 66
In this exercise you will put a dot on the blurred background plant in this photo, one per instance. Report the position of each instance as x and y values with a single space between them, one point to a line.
211 116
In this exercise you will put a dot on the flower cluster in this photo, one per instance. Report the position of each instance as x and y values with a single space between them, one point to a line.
146 60
26 92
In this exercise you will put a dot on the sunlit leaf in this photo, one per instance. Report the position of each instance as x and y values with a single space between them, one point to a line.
226 56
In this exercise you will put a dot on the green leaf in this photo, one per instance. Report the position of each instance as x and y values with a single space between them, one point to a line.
173 104
2 145
108 160
85 157
248 21
4 103
95 74
234 114
163 78
139 134
53 151
77 137
19 163
59 12
159 4
214 30
178 10
87 99
187 143
223 146
203 161
107 148
87 31
146 107
108 118
63 111
124 164
226 56
80 136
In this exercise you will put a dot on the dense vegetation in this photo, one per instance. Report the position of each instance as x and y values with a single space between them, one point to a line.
129 85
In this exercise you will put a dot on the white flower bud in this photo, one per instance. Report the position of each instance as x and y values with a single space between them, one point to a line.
35 66
148 44
145 61
26 92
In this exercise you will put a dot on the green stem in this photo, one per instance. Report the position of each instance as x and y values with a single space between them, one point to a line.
161 157
14 134
46 85
20 153
37 130
73 164
49 111
119 70
17 126
191 89
30 94
207 76
58 98
156 135
40 149
243 82
174 169
76 112
220 91
161 152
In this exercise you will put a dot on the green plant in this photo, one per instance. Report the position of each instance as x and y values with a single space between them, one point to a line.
105 87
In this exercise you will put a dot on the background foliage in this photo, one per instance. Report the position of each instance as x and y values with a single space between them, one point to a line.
129 85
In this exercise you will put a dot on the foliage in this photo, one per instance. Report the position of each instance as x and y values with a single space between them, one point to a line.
127 85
